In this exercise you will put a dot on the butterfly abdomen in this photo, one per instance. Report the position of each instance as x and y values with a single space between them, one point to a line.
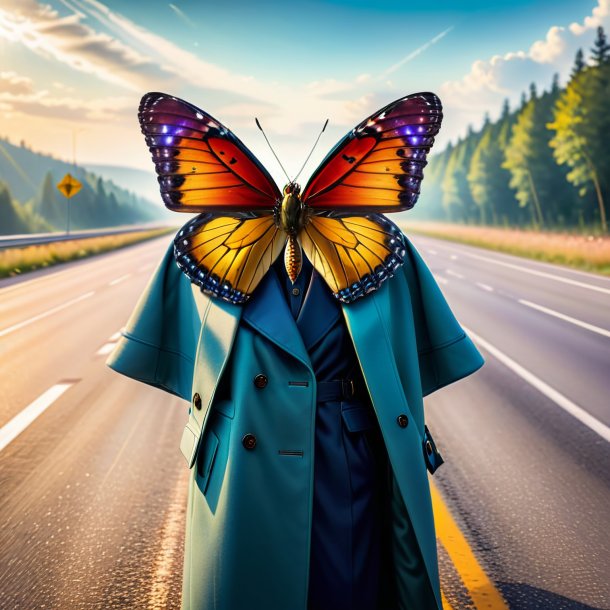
293 257
291 219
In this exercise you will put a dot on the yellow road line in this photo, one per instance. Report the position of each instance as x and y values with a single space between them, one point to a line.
482 591
446 604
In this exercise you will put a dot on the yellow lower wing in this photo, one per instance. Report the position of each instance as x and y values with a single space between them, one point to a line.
354 254
228 255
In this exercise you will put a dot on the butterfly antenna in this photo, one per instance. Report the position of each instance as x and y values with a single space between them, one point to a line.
271 147
312 149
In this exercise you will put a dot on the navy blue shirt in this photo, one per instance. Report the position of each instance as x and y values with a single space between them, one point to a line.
346 536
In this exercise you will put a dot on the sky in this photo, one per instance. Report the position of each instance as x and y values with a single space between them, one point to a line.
72 72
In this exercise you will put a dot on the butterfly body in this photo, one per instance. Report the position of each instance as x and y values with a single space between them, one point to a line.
244 220
292 211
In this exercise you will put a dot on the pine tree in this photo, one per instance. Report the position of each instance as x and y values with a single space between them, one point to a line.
50 204
555 84
488 180
518 157
600 52
457 198
10 222
533 91
16 218
523 101
581 125
579 63
505 109
430 203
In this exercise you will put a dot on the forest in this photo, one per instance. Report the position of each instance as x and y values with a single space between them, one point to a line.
31 203
544 165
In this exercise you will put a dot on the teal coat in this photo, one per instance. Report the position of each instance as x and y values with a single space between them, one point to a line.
249 510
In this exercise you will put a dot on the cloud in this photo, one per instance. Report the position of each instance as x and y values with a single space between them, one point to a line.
24 100
553 46
14 84
187 66
598 17
490 80
100 43
66 39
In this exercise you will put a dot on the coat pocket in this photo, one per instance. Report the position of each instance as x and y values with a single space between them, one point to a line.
432 457
189 441
206 463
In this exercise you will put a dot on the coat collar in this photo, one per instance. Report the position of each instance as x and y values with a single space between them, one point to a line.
268 313
319 311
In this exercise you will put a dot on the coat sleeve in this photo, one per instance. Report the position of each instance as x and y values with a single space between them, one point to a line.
446 353
159 342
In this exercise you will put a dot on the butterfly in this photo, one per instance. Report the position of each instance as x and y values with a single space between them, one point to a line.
244 221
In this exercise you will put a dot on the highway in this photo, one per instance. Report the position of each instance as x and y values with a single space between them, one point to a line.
94 486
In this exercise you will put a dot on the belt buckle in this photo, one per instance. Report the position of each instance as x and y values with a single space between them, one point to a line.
348 388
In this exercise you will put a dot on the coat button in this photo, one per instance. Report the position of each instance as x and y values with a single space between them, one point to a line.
197 401
260 381
402 420
295 291
249 441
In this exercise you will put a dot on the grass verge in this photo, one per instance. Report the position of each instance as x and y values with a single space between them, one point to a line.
585 252
15 261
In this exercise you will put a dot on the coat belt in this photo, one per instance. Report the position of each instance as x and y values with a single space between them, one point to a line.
340 389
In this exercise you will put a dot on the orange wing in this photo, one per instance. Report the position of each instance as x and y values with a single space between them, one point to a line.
377 167
228 255
354 254
201 165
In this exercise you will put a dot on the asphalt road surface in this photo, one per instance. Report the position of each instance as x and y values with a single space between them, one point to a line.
93 486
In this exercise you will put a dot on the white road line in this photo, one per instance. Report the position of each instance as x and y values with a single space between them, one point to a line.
440 279
10 329
562 316
453 256
29 283
454 274
22 420
432 251
110 345
484 286
559 399
522 268
105 349
119 279
565 269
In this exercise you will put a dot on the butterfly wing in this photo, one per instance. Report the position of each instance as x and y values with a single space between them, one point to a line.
201 165
228 255
377 167
354 254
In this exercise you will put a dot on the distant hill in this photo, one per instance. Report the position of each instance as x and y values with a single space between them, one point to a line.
143 183
30 180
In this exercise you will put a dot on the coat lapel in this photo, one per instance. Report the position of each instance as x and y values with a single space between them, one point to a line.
319 311
267 312
373 345
219 323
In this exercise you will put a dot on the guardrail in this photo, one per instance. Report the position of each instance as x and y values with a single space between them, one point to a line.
31 239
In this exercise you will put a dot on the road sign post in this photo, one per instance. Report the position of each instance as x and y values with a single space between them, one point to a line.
68 187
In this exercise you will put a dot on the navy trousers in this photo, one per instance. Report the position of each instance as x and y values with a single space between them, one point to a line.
349 568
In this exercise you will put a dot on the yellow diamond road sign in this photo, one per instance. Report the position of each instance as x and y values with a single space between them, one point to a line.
69 186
